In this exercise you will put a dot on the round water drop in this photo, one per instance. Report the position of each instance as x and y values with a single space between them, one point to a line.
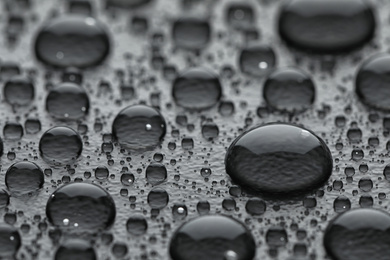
373 82
326 26
67 101
72 41
156 173
127 179
24 178
279 159
19 91
359 234
75 249
81 207
257 60
212 237
10 241
60 145
289 89
137 225
139 127
191 33
158 198
197 89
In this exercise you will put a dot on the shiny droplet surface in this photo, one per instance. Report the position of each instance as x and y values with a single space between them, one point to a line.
326 26
191 33
279 159
67 101
81 207
75 249
158 198
359 234
156 173
373 82
212 238
136 225
10 241
72 41
60 145
257 59
19 91
289 89
197 88
139 127
24 178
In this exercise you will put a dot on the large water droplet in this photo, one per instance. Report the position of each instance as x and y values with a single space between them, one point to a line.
10 241
23 178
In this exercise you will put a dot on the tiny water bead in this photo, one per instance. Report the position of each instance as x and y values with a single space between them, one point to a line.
373 83
67 101
212 238
139 127
10 241
279 159
75 249
197 88
156 173
60 145
137 225
359 234
81 207
191 33
289 89
19 91
24 178
257 59
326 26
72 41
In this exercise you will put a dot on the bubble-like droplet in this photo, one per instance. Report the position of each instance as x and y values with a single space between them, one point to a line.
276 236
101 173
75 249
326 26
137 225
156 173
210 238
191 33
60 145
179 211
24 178
19 91
210 131
158 198
257 59
373 83
81 207
67 101
341 204
289 89
255 207
127 179
359 234
72 41
139 127
279 159
197 88
10 241
13 131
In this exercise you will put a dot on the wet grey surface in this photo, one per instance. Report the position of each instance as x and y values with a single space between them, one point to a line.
130 63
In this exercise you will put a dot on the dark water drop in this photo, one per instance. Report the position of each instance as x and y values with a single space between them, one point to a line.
67 101
82 7
101 173
289 89
366 201
156 173
119 250
60 145
229 204
137 225
257 59
212 238
139 127
210 131
354 135
73 75
357 154
341 204
365 184
10 241
326 26
75 249
4 199
240 16
276 236
127 3
197 88
255 207
158 198
359 234
32 126
187 143
13 131
19 91
72 41
127 179
279 159
226 108
386 172
179 211
191 33
24 178
203 207
373 82
81 207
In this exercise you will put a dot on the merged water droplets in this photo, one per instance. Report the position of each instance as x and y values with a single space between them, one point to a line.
212 237
81 207
359 234
24 178
67 101
326 26
60 145
279 159
72 41
139 127
197 88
